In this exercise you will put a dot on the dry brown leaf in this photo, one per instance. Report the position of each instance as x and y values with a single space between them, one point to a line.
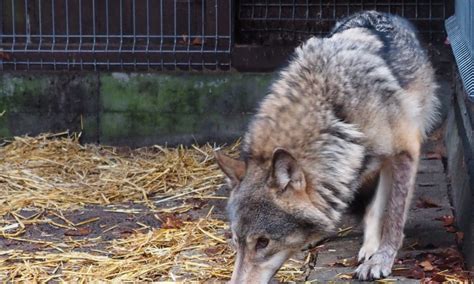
171 222
417 273
4 56
197 41
447 220
424 202
427 266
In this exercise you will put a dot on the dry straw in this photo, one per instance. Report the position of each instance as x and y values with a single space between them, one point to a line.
55 173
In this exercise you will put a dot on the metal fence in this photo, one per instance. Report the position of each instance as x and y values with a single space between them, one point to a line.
115 34
290 21
148 35
460 29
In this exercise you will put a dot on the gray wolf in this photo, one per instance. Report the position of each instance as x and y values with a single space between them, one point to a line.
349 107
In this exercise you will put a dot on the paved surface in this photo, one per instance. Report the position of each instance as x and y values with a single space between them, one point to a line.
424 234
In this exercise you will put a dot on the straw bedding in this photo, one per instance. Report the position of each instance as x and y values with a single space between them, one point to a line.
54 174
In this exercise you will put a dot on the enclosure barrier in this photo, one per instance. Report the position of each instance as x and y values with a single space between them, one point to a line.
115 34
293 21
161 35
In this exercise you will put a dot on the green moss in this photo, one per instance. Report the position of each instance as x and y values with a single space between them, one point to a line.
184 94
4 130
21 93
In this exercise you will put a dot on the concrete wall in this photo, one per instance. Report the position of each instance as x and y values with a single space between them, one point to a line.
131 109
460 146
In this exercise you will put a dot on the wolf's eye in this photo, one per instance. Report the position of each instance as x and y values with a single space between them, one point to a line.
261 243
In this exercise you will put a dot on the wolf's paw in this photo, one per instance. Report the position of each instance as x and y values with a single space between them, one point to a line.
368 249
378 266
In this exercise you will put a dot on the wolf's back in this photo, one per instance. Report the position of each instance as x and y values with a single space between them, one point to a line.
403 54
402 49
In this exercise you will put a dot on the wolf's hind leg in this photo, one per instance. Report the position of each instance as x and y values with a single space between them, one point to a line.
374 214
404 167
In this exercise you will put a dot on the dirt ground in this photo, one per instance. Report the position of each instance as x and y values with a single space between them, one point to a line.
429 252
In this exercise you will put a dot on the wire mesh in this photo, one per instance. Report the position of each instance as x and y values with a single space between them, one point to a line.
115 34
290 21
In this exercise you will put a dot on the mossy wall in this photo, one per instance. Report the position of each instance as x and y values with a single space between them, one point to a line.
131 109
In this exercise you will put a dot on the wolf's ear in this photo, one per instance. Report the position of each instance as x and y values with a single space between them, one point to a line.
286 172
232 168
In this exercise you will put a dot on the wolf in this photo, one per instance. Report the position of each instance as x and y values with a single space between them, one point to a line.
349 107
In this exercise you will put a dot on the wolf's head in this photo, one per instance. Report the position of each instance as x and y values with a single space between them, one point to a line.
272 213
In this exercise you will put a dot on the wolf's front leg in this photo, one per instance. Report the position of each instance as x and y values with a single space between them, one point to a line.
404 168
374 216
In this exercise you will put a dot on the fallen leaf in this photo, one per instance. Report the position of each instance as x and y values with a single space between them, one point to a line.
197 41
84 231
438 278
214 250
4 56
171 222
417 273
424 202
447 220
346 262
427 266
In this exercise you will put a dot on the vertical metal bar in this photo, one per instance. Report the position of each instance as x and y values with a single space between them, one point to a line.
203 6
403 8
66 12
431 20
320 10
1 30
13 26
348 9
229 49
107 37
53 28
190 37
121 34
27 33
217 34
148 32
13 33
279 16
161 34
40 23
175 33
134 33
80 32
416 9
307 10
94 35
27 26
293 17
